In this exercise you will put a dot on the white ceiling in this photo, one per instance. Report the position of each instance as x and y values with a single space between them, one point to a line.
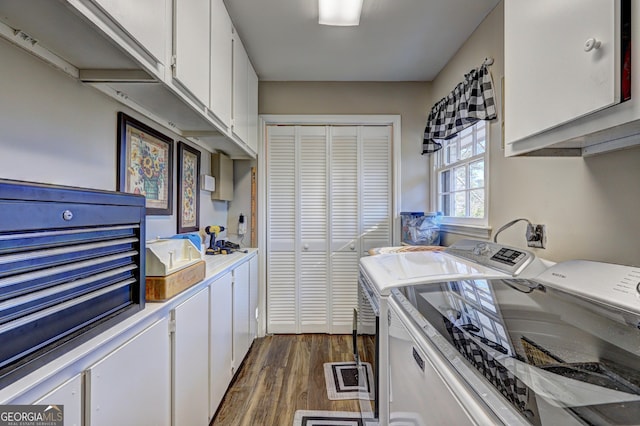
397 40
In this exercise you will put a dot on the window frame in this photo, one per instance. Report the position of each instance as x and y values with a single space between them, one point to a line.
462 225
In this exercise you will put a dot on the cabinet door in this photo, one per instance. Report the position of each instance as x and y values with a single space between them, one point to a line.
132 385
253 298
145 20
240 314
191 361
549 77
191 44
221 62
69 394
221 343
252 109
240 89
222 171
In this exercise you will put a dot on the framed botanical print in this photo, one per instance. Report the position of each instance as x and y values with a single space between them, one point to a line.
145 164
188 188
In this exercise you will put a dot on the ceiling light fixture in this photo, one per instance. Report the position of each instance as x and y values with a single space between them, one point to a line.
339 12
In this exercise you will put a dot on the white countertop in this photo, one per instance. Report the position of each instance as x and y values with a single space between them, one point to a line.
31 387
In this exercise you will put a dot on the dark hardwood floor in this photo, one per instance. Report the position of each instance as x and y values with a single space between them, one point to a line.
282 374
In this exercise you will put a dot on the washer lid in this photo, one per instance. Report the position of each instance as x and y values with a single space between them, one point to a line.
614 285
387 271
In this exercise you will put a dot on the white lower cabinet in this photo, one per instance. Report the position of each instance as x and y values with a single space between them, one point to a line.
253 298
241 338
233 326
132 385
68 395
221 339
191 361
175 371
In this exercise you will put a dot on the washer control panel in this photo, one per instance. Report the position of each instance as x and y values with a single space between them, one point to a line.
497 256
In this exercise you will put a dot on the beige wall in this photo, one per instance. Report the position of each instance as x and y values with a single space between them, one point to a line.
590 205
408 99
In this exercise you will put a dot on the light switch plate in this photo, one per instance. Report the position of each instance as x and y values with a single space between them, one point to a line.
207 183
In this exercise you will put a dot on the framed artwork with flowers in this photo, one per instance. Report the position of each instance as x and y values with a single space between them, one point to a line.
188 188
145 164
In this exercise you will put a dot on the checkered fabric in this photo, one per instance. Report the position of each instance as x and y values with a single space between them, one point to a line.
505 381
470 101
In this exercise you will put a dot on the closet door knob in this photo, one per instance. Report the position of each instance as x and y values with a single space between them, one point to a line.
352 246
591 44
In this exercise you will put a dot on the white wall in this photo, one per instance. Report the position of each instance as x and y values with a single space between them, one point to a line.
54 129
590 205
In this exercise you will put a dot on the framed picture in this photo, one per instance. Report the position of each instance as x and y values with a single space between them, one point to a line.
188 188
145 164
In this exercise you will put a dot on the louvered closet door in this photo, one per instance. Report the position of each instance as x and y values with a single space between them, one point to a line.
282 306
375 193
344 226
313 216
329 200
297 258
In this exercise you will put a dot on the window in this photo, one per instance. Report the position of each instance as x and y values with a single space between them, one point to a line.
460 176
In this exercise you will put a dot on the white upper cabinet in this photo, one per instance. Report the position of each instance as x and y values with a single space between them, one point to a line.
145 20
252 112
172 61
563 73
551 78
245 97
221 62
191 44
240 90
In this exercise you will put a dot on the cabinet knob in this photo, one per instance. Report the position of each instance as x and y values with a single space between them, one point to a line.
352 246
67 215
306 247
591 44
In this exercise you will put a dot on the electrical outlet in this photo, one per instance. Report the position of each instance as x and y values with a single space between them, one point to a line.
536 236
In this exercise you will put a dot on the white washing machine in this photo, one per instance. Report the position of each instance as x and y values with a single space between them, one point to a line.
466 259
561 348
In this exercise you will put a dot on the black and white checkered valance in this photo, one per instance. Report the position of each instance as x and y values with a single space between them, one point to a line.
471 101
